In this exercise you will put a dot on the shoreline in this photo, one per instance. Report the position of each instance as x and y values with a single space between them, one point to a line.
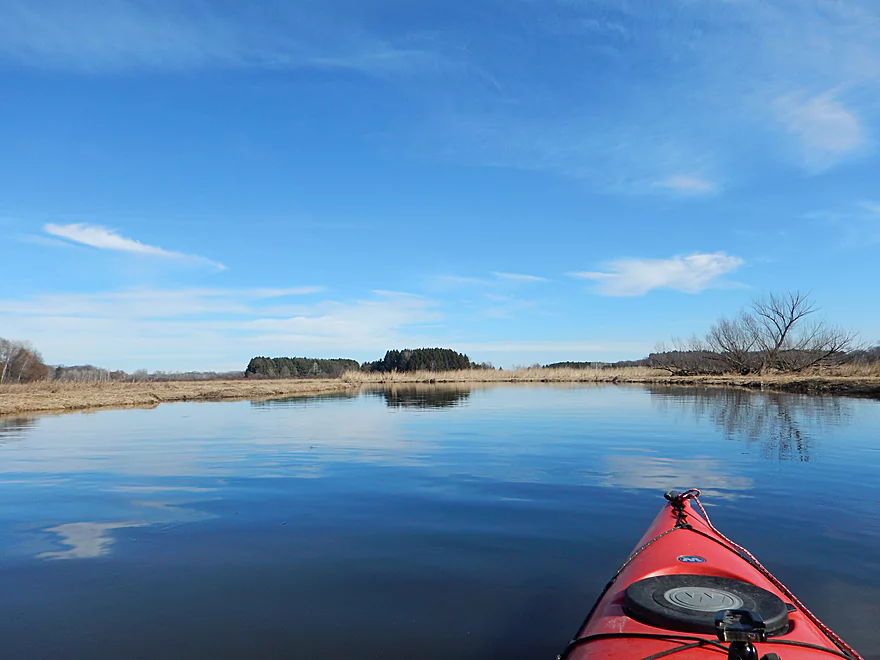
40 398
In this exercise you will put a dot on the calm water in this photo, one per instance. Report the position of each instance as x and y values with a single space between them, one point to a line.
416 523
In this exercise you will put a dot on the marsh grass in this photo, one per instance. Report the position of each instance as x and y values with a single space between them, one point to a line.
528 375
67 396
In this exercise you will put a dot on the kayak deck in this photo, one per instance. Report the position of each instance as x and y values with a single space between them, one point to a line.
665 599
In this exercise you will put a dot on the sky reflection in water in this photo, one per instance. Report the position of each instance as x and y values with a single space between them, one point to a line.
446 522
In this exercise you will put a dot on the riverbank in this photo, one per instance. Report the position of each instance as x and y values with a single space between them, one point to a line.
68 397
55 397
853 383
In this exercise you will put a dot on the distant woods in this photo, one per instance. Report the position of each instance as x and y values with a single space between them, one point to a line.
296 367
420 359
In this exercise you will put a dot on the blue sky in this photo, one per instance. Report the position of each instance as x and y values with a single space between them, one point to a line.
189 183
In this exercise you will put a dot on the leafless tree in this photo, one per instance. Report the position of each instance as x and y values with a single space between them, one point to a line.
735 342
20 362
776 333
789 341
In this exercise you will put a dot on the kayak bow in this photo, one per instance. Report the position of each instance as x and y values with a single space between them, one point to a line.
689 592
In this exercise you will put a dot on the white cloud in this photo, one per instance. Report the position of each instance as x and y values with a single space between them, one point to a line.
688 185
636 277
826 130
107 239
518 277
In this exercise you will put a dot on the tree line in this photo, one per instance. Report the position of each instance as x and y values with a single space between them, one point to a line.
298 367
421 359
87 373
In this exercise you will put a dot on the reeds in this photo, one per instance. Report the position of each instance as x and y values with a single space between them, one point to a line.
527 375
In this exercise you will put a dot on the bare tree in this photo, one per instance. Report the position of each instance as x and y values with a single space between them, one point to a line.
787 342
735 342
20 362
7 349
779 333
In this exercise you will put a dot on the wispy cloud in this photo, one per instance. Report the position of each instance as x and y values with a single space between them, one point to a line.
495 279
687 185
144 304
698 109
525 345
826 130
107 239
709 103
519 277
459 280
853 228
187 34
635 277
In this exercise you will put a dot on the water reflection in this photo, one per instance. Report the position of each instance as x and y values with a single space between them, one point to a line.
785 425
85 540
660 473
423 395
302 400
411 395
14 428
191 526
91 539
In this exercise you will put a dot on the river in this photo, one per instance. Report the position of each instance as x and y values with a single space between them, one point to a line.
420 522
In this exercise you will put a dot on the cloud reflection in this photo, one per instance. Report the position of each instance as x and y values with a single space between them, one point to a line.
86 540
659 473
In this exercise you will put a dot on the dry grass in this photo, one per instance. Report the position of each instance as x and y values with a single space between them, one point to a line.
852 380
532 375
854 371
59 397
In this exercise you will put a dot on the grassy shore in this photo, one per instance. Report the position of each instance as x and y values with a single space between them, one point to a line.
844 381
65 397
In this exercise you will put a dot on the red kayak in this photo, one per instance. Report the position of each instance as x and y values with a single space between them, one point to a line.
689 593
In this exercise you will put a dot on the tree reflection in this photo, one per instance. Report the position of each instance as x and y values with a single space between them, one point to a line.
786 425
423 396
13 428
410 395
301 400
